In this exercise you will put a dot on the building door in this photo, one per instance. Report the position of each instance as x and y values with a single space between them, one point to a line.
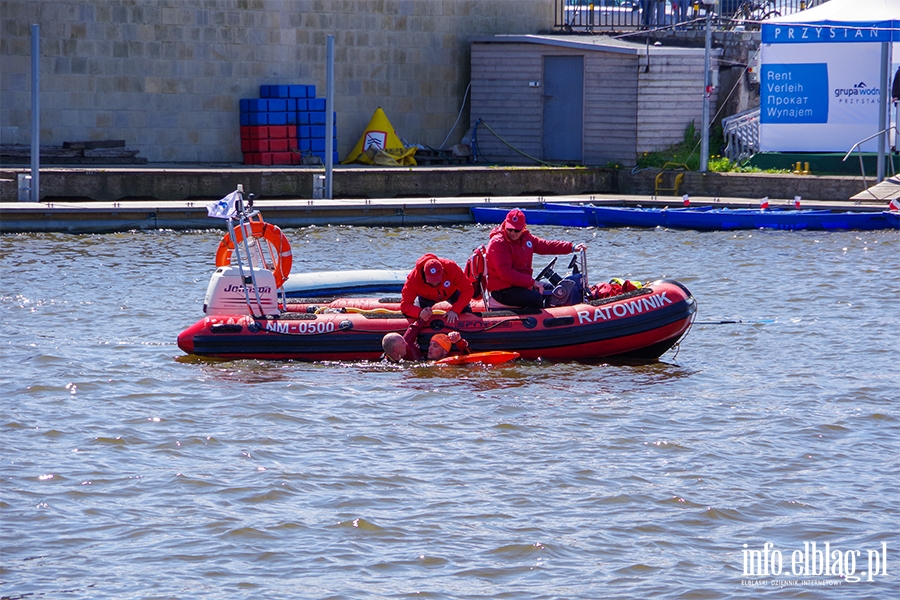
563 108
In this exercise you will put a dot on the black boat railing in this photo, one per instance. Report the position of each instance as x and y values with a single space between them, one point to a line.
587 16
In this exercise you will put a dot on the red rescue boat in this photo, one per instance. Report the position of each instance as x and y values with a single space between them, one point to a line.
248 316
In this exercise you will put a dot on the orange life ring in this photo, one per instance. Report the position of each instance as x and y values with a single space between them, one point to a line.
279 248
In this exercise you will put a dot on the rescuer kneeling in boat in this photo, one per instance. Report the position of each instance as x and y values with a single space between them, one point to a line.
435 280
509 254
404 347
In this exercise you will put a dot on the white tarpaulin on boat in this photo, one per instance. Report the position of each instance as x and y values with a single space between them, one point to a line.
821 76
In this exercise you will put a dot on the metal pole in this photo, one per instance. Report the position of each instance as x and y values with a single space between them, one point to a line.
704 135
35 113
329 116
884 107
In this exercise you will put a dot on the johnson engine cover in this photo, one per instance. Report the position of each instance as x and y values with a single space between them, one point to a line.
229 294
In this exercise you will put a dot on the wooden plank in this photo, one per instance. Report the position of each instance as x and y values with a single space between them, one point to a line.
94 144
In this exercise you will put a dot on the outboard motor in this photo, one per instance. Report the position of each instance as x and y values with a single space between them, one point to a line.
226 293
253 261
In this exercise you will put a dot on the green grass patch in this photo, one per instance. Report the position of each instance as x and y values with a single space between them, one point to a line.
687 152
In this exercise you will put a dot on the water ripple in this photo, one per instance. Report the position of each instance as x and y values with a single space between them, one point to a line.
132 471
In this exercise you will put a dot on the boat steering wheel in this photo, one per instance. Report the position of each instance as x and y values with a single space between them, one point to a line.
547 271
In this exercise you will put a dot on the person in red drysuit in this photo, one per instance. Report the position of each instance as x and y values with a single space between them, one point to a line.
433 280
509 256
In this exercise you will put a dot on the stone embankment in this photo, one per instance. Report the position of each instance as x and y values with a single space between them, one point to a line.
120 184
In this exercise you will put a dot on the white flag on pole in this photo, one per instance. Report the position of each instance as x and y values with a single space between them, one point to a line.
224 208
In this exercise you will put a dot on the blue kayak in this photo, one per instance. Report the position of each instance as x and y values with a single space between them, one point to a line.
566 215
722 219
619 216
701 218
791 220
893 217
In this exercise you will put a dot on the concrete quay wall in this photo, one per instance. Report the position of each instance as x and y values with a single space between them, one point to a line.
127 184
166 75
163 184
750 185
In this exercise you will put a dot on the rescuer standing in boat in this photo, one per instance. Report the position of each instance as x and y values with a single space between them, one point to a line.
509 254
435 280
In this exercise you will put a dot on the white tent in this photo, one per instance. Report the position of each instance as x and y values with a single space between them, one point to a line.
825 76
841 14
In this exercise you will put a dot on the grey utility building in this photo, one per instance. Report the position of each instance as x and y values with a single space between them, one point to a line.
589 100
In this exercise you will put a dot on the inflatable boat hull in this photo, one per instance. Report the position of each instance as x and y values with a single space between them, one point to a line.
642 324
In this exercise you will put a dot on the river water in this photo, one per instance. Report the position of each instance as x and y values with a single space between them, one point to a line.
131 471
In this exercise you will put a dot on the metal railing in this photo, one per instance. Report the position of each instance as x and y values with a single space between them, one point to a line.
586 16
858 147
741 132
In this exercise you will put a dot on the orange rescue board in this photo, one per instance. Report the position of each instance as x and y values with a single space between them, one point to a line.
489 358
